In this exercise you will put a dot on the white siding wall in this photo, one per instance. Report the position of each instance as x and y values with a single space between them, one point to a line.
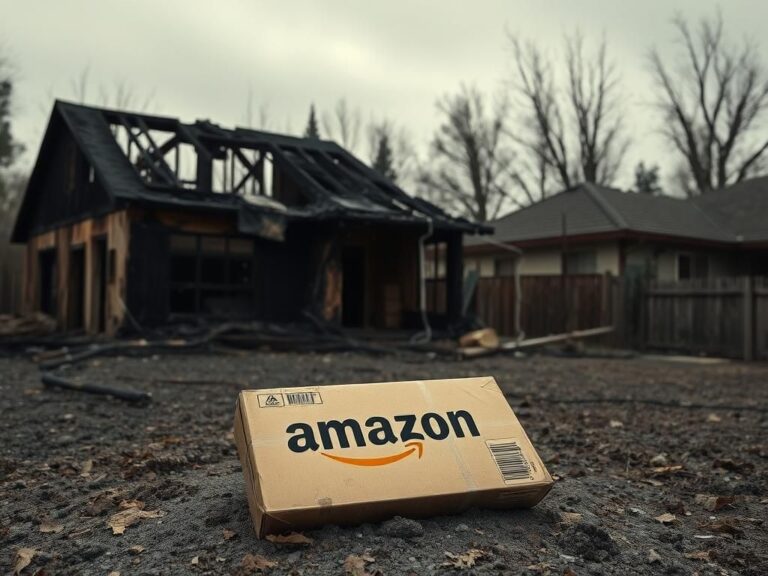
544 261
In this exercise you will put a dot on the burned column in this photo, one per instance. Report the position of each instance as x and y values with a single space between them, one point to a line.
454 273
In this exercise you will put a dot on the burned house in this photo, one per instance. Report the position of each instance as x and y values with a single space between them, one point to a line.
135 220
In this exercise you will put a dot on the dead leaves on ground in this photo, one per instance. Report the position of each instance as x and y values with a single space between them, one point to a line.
666 470
254 563
131 512
102 502
23 558
729 526
229 534
570 518
466 560
739 467
50 527
355 565
714 503
292 539
666 518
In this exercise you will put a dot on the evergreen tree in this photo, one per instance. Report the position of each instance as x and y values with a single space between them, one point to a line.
9 148
383 162
647 179
312 130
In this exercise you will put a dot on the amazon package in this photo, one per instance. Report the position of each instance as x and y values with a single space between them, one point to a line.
366 452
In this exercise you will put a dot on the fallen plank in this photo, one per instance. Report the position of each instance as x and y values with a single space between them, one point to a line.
52 381
476 351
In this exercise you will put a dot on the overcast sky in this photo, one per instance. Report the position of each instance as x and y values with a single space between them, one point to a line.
389 58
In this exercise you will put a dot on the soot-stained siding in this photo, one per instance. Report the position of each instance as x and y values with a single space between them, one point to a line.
68 188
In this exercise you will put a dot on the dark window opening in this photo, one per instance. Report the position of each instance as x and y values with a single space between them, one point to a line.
353 287
183 268
100 278
212 275
47 284
692 266
76 311
504 267
581 262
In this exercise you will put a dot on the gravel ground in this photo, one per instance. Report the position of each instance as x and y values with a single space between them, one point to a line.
642 487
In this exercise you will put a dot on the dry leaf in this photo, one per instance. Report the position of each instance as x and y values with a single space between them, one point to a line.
570 518
130 513
136 549
568 572
114 573
663 470
714 418
49 526
229 534
292 539
86 467
701 555
653 556
713 503
666 518
195 561
616 424
254 563
729 526
23 558
466 560
355 565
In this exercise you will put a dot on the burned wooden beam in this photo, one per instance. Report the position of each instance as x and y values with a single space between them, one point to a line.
51 381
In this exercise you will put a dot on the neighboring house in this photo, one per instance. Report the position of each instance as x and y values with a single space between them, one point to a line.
591 229
132 218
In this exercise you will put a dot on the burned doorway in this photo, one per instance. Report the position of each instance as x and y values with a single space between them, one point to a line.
353 286
47 288
76 289
99 284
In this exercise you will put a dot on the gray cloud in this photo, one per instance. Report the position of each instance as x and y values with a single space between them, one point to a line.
201 59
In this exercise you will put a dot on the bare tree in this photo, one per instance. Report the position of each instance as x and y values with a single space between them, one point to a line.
119 95
713 106
343 125
256 116
573 131
470 164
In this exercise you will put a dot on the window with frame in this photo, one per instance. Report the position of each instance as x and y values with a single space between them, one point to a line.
692 266
504 267
581 262
213 275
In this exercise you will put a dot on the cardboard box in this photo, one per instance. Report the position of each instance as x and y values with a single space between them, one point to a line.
366 452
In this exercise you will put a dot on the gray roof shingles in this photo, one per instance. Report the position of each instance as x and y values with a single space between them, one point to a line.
735 214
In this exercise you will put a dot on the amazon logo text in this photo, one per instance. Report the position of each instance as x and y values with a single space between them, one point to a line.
379 431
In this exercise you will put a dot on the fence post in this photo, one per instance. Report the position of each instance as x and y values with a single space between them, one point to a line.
748 319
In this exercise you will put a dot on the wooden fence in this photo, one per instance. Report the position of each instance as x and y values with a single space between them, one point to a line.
549 304
714 316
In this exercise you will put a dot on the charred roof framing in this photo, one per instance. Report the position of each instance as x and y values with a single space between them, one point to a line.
155 159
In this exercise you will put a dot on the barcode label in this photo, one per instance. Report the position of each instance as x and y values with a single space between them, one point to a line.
299 398
510 460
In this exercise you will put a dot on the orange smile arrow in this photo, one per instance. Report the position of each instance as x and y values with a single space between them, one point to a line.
382 461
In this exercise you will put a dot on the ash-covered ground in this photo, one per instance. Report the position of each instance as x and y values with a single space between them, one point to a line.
648 487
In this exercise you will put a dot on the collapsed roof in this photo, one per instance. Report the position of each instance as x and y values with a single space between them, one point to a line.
734 215
156 160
